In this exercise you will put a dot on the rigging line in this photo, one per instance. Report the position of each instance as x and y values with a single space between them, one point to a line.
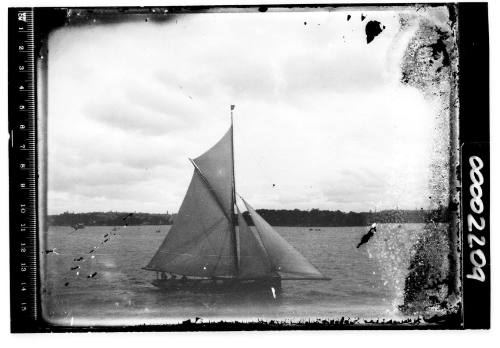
209 231
217 254
212 191
188 244
219 259
195 255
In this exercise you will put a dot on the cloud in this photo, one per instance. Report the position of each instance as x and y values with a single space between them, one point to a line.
119 114
369 186
319 114
174 104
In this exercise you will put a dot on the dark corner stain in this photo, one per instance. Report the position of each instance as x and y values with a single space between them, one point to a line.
262 9
363 17
348 17
372 29
452 13
47 20
453 206
439 48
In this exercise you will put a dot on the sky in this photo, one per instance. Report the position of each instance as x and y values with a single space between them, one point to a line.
322 119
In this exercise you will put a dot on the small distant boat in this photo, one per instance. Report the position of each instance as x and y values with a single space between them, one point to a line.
210 246
78 226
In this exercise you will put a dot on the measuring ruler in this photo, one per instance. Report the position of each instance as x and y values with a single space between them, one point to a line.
23 171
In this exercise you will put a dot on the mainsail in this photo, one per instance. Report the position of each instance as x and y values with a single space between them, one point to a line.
204 242
201 241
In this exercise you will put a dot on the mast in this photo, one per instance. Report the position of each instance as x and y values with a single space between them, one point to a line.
233 202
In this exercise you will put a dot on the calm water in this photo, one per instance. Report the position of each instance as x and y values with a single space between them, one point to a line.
366 282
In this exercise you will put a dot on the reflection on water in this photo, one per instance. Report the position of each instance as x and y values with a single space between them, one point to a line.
366 282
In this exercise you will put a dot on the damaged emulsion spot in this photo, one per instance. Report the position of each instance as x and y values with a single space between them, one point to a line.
428 59
372 29
102 16
430 65
439 49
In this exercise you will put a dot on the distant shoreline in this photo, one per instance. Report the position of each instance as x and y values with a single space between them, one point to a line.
286 218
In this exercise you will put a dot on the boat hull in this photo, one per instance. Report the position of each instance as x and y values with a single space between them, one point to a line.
271 286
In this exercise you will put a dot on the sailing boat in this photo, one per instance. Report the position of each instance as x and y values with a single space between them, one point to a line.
210 246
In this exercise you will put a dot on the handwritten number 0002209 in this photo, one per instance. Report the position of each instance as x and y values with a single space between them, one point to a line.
476 256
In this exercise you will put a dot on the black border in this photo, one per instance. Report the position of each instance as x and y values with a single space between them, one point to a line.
474 140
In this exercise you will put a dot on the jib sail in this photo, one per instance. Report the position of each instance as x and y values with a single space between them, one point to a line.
285 259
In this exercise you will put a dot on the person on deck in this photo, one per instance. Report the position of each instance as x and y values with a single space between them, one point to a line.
368 235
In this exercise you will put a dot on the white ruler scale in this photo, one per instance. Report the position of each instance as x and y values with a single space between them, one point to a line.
23 170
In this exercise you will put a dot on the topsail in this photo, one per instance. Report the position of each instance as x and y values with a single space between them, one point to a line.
216 166
204 240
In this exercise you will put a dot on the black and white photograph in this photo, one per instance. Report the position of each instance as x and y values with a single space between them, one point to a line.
252 167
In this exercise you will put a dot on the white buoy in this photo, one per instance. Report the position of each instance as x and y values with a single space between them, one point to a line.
274 292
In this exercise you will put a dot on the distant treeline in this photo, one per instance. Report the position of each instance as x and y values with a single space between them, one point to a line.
109 219
327 218
296 217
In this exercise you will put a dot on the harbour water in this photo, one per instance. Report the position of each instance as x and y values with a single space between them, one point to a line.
94 276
